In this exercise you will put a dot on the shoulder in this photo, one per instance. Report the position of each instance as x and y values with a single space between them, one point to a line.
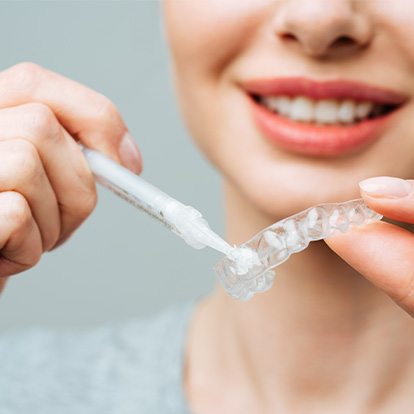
131 365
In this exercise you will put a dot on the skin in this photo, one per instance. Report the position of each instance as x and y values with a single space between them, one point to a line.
335 333
47 189
328 327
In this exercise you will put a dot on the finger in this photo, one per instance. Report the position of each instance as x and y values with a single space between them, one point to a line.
20 240
383 253
390 196
63 161
85 114
21 170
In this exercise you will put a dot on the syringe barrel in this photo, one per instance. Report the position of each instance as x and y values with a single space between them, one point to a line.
128 185
185 221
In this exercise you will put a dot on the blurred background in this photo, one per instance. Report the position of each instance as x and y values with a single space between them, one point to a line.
120 264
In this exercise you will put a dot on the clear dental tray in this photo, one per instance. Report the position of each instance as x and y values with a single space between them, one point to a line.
248 268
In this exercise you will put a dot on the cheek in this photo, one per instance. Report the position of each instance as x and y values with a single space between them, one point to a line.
397 147
396 19
204 38
205 35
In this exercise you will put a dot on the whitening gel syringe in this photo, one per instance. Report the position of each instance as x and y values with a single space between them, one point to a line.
185 221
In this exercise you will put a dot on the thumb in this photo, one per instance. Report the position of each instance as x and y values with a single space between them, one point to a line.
383 252
390 196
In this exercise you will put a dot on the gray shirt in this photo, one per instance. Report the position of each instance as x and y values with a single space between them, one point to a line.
133 368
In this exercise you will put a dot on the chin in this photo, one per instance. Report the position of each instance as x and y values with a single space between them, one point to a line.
277 199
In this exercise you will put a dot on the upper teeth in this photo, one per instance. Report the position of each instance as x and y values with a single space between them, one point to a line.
324 111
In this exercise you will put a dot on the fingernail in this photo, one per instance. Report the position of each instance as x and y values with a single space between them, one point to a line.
386 187
129 153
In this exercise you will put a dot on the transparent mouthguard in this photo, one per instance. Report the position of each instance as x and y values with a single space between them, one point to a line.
247 269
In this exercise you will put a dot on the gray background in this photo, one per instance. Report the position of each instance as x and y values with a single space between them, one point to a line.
120 264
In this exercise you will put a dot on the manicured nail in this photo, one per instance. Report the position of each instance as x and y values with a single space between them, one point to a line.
130 154
386 187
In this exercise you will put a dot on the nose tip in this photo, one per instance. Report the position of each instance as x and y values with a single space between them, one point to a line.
321 27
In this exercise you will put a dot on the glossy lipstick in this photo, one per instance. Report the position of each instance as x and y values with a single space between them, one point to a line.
319 139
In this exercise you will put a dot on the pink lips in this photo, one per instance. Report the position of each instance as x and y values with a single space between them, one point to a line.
313 139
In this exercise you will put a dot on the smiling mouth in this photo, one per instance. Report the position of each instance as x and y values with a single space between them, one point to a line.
323 111
320 118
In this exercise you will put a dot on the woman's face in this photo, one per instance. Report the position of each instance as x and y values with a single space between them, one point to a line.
296 101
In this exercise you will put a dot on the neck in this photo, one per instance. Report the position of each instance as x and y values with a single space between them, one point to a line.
321 331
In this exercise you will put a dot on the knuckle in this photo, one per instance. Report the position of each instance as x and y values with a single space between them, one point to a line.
26 74
27 67
106 107
26 161
41 120
16 210
108 118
